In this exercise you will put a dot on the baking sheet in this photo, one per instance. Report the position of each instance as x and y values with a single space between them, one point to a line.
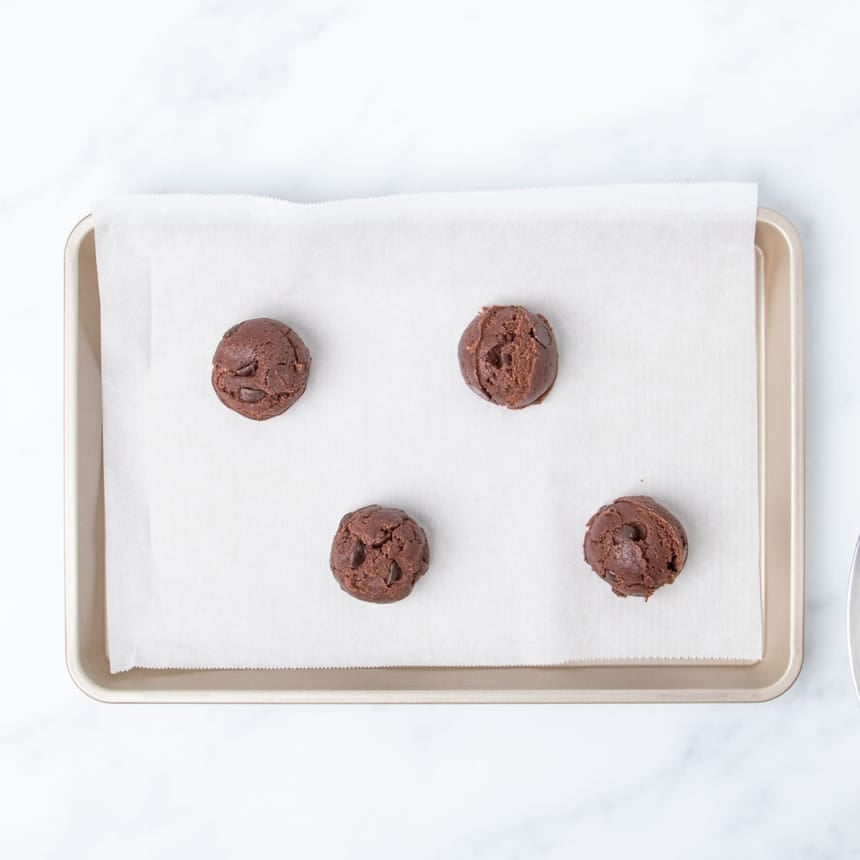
779 295
681 335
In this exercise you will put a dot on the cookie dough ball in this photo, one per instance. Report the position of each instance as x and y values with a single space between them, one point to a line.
378 554
508 356
260 368
635 545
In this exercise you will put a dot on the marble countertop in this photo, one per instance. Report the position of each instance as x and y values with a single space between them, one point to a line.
315 99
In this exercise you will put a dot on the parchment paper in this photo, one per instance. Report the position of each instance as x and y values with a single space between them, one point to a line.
219 528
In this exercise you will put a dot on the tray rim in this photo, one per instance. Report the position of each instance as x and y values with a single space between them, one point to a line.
417 694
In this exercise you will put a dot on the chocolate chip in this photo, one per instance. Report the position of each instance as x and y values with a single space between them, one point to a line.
251 395
394 573
541 334
247 369
357 556
630 532
425 554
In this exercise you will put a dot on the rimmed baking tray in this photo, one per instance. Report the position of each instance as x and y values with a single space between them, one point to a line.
781 480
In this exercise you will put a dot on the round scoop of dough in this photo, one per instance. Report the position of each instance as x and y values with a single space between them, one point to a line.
508 356
260 368
635 545
378 554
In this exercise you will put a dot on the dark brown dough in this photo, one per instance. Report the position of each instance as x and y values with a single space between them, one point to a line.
378 554
260 368
635 545
508 355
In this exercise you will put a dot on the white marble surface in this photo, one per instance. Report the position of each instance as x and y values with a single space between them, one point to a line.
314 100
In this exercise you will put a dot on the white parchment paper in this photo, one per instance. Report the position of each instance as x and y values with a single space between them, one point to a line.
219 528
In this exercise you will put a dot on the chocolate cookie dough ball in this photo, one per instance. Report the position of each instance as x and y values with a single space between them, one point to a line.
635 545
260 368
378 554
508 356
